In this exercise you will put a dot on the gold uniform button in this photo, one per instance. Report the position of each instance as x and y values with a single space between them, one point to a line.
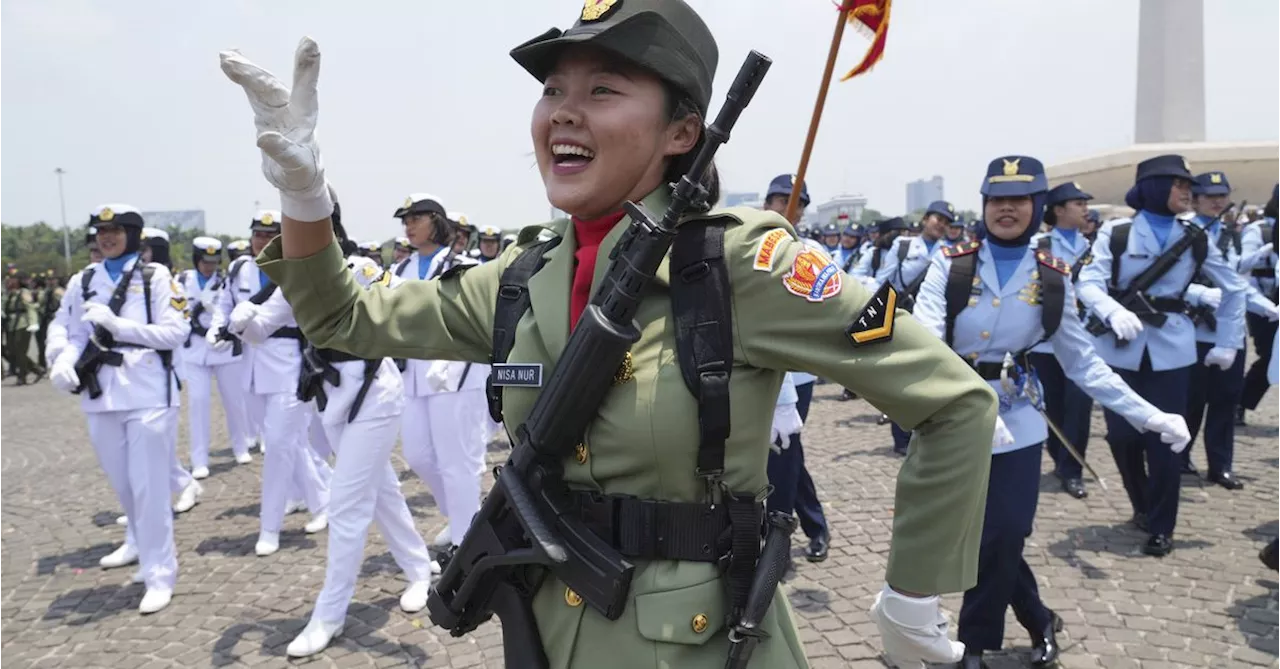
973 301
995 301
973 356
699 623
580 453
986 335
572 598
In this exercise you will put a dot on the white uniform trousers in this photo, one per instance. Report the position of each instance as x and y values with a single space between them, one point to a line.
443 440
135 449
255 408
288 456
199 379
365 488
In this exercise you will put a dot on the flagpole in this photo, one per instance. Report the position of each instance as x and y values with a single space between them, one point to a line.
793 202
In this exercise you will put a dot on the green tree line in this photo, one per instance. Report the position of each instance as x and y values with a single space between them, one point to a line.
37 248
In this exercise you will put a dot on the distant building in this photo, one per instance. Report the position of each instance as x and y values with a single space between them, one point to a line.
849 205
741 200
923 191
191 220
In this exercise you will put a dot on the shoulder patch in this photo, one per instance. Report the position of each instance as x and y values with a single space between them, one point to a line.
767 249
961 249
369 272
813 276
1049 260
875 322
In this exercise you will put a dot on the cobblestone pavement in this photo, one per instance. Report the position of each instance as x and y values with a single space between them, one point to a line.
1210 604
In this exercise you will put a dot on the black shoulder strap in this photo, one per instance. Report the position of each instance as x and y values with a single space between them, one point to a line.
904 247
701 304
959 283
1053 292
1119 244
233 276
512 302
445 263
86 278
401 265
876 255
1045 243
148 272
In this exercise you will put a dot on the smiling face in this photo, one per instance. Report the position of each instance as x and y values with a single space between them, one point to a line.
112 240
1212 205
1180 196
602 133
1008 217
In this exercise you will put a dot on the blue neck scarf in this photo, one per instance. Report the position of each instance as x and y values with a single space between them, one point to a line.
424 262
1160 225
1069 235
201 279
929 244
263 279
115 266
1007 259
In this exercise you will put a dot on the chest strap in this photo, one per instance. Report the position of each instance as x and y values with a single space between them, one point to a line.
512 302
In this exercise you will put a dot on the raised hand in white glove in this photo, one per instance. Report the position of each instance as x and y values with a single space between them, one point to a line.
786 422
34 327
1172 429
1002 435
913 630
241 316
286 124
1220 357
1211 297
218 345
1125 324
63 377
100 314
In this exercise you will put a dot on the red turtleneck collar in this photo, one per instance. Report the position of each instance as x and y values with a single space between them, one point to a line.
588 234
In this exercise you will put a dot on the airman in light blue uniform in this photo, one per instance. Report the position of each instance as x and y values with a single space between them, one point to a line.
1258 263
997 316
1066 209
1156 360
1214 394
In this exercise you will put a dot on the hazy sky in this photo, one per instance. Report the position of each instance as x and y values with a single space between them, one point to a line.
415 95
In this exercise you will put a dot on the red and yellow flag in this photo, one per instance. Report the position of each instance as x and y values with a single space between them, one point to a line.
869 16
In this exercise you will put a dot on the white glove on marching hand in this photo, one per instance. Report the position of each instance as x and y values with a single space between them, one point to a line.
34 327
216 344
1002 436
63 377
786 422
286 125
1211 297
100 314
241 316
1219 357
913 630
1172 429
1273 314
1125 324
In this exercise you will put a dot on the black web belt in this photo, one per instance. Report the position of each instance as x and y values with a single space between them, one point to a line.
656 530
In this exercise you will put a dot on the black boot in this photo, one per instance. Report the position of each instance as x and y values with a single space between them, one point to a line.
1270 554
972 660
1075 488
1044 643
1240 417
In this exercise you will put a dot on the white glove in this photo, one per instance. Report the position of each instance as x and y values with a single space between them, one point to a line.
100 314
1211 297
913 630
1219 357
34 327
1125 324
786 422
1002 435
64 377
216 344
286 124
1172 429
438 376
241 316
1273 313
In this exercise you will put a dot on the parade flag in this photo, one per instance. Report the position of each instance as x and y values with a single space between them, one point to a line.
871 17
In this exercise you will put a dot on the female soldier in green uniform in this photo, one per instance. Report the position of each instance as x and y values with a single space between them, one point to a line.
626 92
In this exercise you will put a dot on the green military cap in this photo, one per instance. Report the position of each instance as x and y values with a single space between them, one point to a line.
664 36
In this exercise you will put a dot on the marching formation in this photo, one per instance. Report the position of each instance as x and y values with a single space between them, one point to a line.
672 493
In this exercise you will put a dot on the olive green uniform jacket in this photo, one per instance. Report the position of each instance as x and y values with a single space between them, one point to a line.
644 441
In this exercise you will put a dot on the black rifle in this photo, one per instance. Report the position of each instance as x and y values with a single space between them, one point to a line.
1134 298
525 523
746 634
98 351
315 373
1203 313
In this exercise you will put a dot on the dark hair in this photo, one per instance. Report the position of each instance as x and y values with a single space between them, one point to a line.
680 106
885 240
1050 216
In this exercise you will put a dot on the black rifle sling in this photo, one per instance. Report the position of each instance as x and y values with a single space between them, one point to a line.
959 283
512 302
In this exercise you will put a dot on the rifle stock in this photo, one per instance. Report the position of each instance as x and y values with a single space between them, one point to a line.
525 525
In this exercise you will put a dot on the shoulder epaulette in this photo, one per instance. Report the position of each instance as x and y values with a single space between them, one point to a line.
1049 260
961 249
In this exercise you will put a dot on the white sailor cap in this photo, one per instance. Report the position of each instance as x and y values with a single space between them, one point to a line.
116 214
155 233
207 248
266 220
420 203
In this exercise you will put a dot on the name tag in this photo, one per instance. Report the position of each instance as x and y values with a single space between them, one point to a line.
526 375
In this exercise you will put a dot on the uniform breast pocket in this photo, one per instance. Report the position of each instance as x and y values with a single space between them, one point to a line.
687 616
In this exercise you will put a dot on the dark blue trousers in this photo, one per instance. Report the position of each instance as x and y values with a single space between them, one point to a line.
1153 486
1212 399
1263 332
1069 408
901 438
1004 578
793 490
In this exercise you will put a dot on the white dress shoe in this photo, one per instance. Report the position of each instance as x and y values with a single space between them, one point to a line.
268 543
122 520
295 506
244 458
189 497
314 638
155 599
200 473
443 539
414 598
137 577
318 523
122 556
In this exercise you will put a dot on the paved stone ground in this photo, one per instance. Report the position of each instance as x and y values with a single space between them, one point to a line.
1210 604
